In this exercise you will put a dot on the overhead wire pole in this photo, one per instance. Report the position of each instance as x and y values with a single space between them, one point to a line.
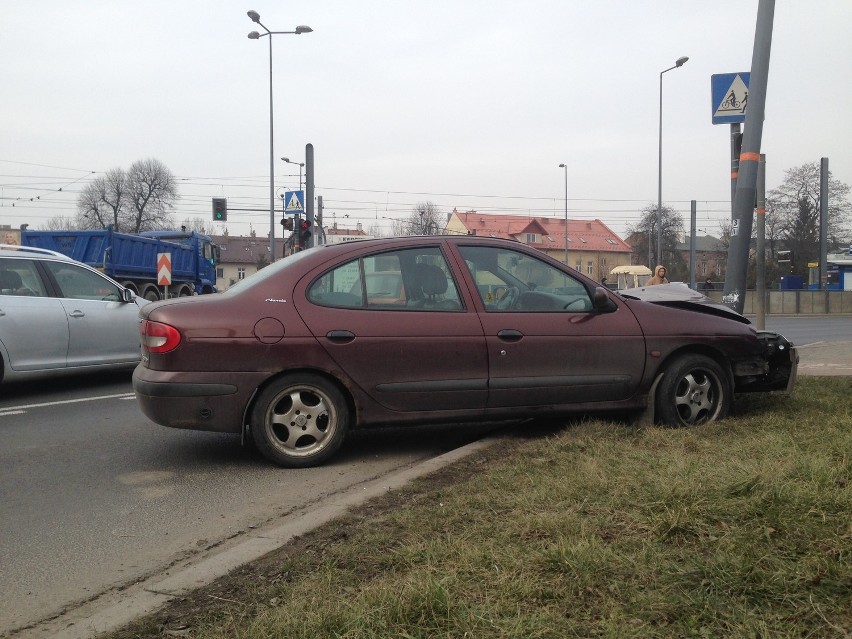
744 200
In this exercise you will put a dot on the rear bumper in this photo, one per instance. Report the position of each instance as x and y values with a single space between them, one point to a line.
198 401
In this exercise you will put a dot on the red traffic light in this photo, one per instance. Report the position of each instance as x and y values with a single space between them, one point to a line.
304 225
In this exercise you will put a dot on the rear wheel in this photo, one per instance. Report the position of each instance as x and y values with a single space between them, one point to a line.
299 421
694 390
151 294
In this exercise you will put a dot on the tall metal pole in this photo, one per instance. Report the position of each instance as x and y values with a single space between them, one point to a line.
736 147
760 232
254 35
678 63
565 166
693 208
309 192
744 201
823 223
271 166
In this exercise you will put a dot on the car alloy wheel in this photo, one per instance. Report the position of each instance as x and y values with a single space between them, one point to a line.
694 390
299 420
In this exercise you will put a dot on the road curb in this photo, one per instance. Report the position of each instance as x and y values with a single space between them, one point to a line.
115 609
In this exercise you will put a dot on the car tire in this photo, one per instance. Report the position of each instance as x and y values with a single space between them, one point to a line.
694 390
299 421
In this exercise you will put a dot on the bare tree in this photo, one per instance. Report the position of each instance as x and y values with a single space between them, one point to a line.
140 199
375 230
793 209
151 195
102 202
425 219
644 236
59 224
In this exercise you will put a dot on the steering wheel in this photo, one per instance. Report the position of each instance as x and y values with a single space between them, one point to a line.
509 298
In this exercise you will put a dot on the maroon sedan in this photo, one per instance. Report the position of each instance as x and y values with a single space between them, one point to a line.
438 329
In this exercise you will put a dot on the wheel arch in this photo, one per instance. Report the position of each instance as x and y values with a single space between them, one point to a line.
327 376
697 349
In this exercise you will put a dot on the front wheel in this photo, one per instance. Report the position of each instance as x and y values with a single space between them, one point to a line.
694 390
299 421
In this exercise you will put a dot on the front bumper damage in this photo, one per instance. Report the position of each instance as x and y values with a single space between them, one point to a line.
775 369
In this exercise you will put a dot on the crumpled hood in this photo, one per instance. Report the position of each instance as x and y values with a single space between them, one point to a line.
679 295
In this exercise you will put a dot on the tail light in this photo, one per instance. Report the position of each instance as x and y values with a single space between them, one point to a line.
158 337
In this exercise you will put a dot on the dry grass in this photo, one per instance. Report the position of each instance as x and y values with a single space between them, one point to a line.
740 529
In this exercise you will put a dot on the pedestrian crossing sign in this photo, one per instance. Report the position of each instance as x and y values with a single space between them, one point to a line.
294 202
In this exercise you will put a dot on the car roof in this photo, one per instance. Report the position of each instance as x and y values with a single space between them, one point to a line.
13 250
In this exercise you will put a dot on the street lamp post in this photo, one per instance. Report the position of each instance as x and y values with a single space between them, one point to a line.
565 166
254 35
678 63
301 164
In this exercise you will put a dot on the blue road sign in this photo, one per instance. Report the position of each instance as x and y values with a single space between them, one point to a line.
294 202
729 93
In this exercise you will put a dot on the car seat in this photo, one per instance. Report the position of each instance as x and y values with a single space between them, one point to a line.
428 284
10 282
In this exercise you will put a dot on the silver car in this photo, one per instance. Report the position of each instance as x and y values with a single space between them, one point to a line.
58 316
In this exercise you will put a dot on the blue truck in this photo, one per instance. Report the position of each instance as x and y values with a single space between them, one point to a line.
131 259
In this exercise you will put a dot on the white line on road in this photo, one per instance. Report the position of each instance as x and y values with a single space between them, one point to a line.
16 410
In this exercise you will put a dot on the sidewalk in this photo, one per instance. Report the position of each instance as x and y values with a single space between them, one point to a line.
826 358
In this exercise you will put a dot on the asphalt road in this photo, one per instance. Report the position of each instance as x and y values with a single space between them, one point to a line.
96 496
810 329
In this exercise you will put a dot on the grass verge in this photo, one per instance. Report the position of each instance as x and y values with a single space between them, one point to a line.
598 529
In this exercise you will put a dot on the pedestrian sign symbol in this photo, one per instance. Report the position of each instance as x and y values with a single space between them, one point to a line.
730 97
295 202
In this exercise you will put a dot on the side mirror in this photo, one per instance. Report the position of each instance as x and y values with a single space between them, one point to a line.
127 295
601 301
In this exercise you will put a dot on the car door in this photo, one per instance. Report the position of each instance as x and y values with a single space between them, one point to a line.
546 343
419 351
33 326
102 328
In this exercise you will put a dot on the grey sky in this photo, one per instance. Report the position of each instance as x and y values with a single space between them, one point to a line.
468 103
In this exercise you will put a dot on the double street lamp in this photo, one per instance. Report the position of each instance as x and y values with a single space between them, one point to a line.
301 164
254 35
678 63
565 166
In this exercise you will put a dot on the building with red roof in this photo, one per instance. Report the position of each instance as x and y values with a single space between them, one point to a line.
593 248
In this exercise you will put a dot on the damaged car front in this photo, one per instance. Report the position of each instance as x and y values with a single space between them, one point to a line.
770 366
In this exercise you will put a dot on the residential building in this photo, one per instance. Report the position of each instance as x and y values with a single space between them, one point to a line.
239 257
593 248
336 235
711 257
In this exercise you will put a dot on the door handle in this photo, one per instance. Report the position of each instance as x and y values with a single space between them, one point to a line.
510 335
76 314
340 336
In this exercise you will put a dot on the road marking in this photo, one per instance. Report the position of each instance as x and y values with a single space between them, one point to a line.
17 410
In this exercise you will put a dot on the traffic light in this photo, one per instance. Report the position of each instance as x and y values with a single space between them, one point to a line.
304 233
220 209
287 223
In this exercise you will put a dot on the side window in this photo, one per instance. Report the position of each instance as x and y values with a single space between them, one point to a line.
509 281
20 277
82 284
398 280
